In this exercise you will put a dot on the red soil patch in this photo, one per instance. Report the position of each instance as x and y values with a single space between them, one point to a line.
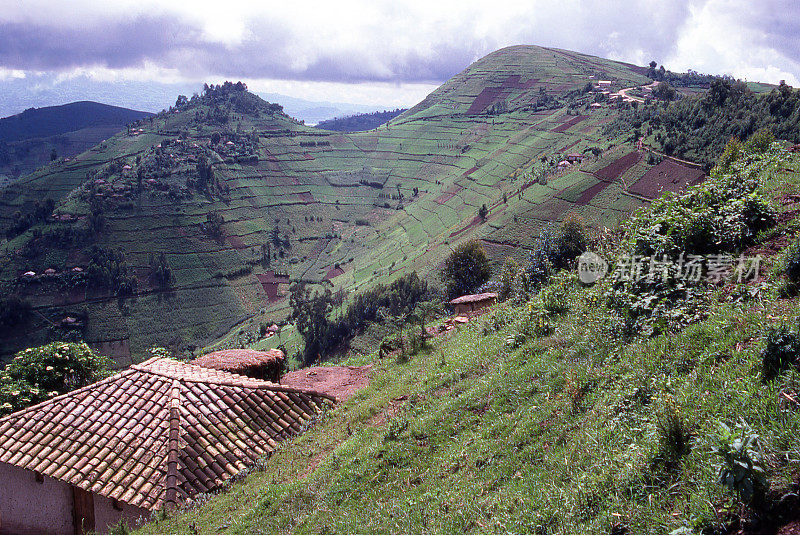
490 95
668 175
590 193
444 197
340 382
333 272
470 171
236 242
448 194
271 285
569 123
613 170
306 197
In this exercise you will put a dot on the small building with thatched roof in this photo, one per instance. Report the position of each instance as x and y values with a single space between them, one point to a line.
473 303
266 365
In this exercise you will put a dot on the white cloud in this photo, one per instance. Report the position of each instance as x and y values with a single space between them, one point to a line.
719 39
373 49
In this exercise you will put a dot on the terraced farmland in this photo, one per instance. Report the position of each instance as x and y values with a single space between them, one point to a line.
341 210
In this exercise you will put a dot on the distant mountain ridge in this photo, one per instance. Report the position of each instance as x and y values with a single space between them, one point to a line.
49 90
360 122
55 120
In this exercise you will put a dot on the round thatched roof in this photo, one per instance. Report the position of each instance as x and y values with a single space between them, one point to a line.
238 360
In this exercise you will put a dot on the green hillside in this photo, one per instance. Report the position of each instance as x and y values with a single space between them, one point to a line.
36 136
344 211
359 122
549 414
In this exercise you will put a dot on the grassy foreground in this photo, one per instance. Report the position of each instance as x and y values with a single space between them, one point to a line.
524 422
560 435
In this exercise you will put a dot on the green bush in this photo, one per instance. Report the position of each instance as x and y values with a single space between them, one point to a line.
780 352
466 269
721 216
537 323
36 374
507 277
741 470
555 298
791 265
760 141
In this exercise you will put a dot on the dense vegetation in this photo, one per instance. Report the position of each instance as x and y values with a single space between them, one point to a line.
360 121
322 335
697 128
37 374
465 269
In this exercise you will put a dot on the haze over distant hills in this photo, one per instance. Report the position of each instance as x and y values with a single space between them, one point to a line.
48 90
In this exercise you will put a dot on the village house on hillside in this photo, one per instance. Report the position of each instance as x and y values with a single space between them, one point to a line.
474 303
148 438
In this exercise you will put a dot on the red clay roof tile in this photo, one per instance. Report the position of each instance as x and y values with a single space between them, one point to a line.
157 433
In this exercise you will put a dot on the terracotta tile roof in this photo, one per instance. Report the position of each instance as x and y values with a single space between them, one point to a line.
239 360
474 298
157 433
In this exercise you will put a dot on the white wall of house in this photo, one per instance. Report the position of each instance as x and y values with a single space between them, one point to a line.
28 507
106 515
31 508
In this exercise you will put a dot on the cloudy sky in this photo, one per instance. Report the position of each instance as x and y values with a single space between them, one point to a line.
382 51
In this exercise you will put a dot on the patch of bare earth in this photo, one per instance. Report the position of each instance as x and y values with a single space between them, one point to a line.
340 382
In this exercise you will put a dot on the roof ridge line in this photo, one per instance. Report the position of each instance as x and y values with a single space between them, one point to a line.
173 445
255 384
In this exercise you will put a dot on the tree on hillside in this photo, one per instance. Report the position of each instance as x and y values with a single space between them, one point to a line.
664 91
483 212
310 316
160 271
570 244
466 269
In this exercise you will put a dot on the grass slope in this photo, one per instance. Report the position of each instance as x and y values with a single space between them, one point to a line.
487 433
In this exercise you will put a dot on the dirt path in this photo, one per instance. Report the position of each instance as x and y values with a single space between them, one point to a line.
339 381
626 97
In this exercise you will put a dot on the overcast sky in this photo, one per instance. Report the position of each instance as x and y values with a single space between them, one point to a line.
379 51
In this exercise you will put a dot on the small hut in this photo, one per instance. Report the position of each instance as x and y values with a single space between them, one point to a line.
473 304
266 365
